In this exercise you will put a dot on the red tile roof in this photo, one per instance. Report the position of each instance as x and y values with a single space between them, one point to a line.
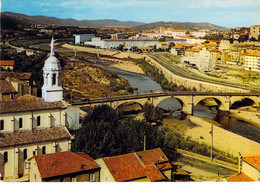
6 87
28 137
6 62
253 161
242 177
137 165
67 162
128 167
16 75
155 156
28 103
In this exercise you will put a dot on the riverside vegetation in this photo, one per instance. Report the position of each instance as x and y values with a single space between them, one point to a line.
106 132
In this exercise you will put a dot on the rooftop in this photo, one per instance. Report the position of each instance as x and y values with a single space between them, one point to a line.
28 103
253 161
241 177
6 87
6 62
138 165
29 137
252 54
16 75
67 162
142 39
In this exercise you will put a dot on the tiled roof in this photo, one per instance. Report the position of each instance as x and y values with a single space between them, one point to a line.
16 75
242 177
7 62
252 54
28 136
155 156
6 87
128 167
28 103
253 161
67 162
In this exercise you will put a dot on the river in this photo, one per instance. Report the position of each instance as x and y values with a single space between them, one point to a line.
146 84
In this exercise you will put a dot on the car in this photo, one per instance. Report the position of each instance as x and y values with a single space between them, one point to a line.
84 99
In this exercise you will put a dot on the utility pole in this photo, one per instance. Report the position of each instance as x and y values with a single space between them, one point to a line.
211 151
75 53
144 142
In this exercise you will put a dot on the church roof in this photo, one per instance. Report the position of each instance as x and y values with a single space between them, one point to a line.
52 63
28 103
29 137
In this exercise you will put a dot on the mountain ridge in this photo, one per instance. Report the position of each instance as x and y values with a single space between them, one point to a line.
114 23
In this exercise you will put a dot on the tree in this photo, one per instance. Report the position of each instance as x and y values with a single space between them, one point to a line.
120 47
151 113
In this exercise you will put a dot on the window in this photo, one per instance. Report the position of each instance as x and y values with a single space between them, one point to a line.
25 154
20 122
44 150
33 152
12 96
92 177
38 120
54 79
2 124
5 157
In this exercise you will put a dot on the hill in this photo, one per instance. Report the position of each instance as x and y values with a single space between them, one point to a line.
112 23
73 22
183 26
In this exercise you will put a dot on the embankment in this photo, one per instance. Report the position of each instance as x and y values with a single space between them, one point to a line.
222 139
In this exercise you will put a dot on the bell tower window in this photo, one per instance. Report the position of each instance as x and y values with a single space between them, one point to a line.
54 79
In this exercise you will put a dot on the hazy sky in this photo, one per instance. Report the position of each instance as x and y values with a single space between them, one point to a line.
228 13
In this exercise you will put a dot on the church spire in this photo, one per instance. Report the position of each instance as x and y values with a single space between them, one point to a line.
52 46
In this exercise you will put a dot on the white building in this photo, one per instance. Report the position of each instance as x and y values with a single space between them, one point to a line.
201 60
114 43
198 34
30 126
51 89
252 61
83 38
33 126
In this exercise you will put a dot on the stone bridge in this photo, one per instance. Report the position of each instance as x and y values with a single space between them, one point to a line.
188 100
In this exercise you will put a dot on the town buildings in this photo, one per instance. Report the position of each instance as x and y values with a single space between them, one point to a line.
79 39
252 61
63 167
115 43
144 166
254 32
7 65
33 126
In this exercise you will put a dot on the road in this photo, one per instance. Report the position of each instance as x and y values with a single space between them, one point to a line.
174 68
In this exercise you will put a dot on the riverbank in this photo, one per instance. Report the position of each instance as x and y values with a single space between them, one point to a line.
247 116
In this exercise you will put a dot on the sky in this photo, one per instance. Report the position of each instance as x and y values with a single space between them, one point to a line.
227 13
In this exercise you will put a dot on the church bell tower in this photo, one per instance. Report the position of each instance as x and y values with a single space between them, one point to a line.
51 89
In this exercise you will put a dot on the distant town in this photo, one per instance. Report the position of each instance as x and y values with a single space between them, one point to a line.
126 101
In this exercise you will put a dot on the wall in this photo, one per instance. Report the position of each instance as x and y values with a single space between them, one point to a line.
105 175
250 171
12 167
191 83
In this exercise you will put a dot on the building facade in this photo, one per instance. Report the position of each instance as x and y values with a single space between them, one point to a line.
254 32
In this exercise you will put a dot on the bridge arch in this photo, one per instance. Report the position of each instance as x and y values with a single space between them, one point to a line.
235 99
180 99
220 100
141 102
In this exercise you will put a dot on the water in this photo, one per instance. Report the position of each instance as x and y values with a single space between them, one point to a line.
146 84
143 83
37 46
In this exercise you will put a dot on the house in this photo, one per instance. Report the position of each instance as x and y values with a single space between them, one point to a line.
7 65
250 170
7 91
254 32
29 52
22 82
144 166
252 61
63 167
